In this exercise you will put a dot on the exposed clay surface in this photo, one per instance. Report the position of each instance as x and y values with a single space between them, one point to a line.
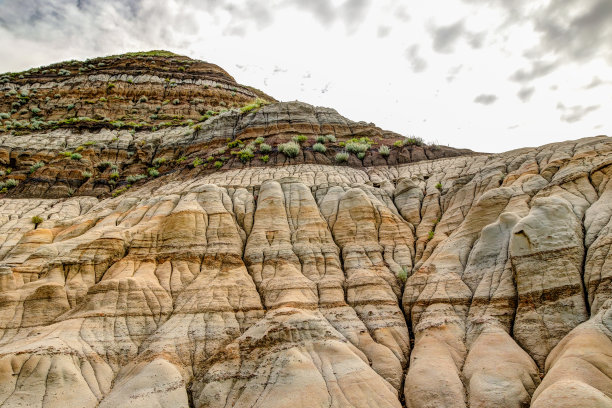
431 277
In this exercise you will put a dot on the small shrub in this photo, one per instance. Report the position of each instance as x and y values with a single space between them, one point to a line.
153 172
76 156
110 85
331 138
218 164
439 186
143 99
181 159
159 161
36 220
114 175
176 102
36 166
245 154
300 138
70 107
398 143
384 150
265 148
403 274
260 140
342 157
414 140
265 158
35 110
361 155
290 149
235 143
119 191
103 165
319 147
86 174
11 183
430 235
358 145
197 162
134 178
4 115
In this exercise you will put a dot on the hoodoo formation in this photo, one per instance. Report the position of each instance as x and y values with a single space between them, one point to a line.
171 238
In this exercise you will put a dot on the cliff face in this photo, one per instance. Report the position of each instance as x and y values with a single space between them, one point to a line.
425 277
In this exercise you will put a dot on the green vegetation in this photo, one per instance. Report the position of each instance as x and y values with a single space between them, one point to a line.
103 165
119 191
331 138
290 149
300 138
86 174
361 155
143 99
176 102
134 178
414 141
342 157
357 146
245 154
260 140
181 159
114 175
256 104
321 139
36 220
265 158
110 85
75 156
4 115
36 166
153 172
398 143
319 147
197 161
11 183
430 235
218 164
265 148
439 186
384 150
235 143
402 275
159 161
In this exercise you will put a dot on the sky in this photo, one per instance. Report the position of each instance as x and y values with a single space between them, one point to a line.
488 75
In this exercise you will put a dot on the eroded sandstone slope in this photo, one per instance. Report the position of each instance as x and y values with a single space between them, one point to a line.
426 277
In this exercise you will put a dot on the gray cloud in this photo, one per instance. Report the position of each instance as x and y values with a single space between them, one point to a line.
569 31
571 114
525 94
383 31
445 37
351 12
537 70
485 99
417 64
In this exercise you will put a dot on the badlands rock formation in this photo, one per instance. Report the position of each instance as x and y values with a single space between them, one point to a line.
428 277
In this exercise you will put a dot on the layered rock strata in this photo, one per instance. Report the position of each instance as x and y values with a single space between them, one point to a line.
475 281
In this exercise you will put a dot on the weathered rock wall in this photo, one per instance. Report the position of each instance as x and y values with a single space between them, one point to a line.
479 280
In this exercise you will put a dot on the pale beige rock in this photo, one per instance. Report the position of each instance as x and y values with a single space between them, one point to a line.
547 250
281 286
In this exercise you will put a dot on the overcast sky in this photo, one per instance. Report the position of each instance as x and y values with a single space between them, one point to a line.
483 74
